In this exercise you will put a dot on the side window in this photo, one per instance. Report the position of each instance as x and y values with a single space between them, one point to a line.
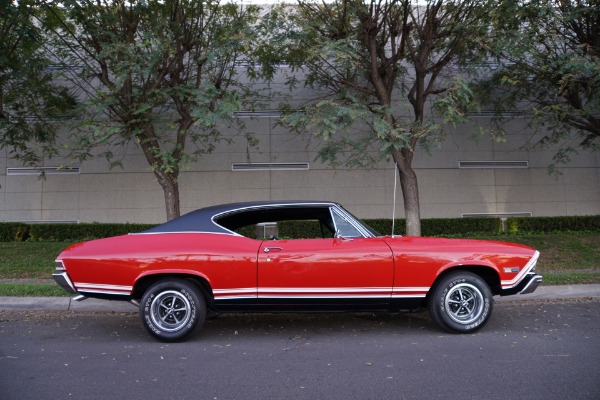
289 229
343 227
283 223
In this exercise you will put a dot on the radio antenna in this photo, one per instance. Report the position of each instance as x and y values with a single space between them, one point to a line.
394 205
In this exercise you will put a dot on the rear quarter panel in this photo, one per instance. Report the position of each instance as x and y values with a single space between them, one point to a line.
225 261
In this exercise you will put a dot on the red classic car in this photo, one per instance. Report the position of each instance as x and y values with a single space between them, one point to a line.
206 261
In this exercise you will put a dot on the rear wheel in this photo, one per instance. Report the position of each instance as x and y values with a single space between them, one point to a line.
171 310
461 302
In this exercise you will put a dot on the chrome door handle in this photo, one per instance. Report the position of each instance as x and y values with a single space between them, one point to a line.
268 249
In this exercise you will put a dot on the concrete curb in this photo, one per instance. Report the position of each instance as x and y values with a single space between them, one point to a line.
556 292
91 305
63 304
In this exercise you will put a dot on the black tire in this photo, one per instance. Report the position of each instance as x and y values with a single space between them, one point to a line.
171 310
461 302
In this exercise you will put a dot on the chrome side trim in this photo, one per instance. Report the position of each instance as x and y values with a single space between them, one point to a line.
321 293
354 290
171 233
235 293
103 292
410 292
325 296
324 293
263 206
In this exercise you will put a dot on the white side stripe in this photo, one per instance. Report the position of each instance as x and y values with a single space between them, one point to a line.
320 292
323 290
103 288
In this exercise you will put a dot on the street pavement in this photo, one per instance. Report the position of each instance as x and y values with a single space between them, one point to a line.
529 350
68 304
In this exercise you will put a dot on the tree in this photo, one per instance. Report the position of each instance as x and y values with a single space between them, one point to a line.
159 74
31 100
550 55
377 65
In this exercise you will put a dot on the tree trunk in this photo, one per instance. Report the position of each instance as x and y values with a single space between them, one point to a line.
170 188
167 180
410 191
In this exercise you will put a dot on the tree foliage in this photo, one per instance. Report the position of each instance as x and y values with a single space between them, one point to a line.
161 75
31 100
382 72
550 57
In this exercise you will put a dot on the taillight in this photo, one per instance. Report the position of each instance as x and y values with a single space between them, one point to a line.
60 266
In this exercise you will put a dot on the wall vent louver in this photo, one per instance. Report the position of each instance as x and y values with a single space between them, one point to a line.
40 170
499 215
493 164
270 166
492 114
258 114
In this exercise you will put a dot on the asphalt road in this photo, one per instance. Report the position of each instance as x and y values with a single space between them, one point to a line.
529 350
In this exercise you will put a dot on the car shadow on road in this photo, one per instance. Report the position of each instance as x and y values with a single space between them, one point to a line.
125 326
267 324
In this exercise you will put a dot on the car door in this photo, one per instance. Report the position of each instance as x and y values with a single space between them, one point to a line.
347 272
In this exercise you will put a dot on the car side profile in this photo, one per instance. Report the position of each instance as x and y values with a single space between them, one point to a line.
219 259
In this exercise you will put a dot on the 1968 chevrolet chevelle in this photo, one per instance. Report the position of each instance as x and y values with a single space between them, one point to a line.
201 262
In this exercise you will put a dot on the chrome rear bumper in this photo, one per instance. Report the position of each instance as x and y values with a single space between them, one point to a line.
63 280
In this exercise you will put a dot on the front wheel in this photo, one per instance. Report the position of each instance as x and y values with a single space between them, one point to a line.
171 310
461 303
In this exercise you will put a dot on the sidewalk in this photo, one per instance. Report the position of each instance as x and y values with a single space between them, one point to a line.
67 304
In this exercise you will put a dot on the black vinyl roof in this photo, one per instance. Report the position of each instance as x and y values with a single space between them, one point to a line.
236 215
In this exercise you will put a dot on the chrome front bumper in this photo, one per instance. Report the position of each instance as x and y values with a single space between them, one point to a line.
533 283
528 284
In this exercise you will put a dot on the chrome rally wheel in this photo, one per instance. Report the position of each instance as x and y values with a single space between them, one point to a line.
464 303
170 310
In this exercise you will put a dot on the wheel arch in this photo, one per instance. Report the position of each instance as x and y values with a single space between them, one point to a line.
487 273
144 282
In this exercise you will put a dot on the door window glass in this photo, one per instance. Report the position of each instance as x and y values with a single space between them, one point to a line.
343 226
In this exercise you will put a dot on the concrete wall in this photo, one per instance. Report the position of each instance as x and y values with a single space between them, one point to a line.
133 195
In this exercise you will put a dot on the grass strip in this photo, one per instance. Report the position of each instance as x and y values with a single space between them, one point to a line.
29 260
32 290
558 251
571 278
